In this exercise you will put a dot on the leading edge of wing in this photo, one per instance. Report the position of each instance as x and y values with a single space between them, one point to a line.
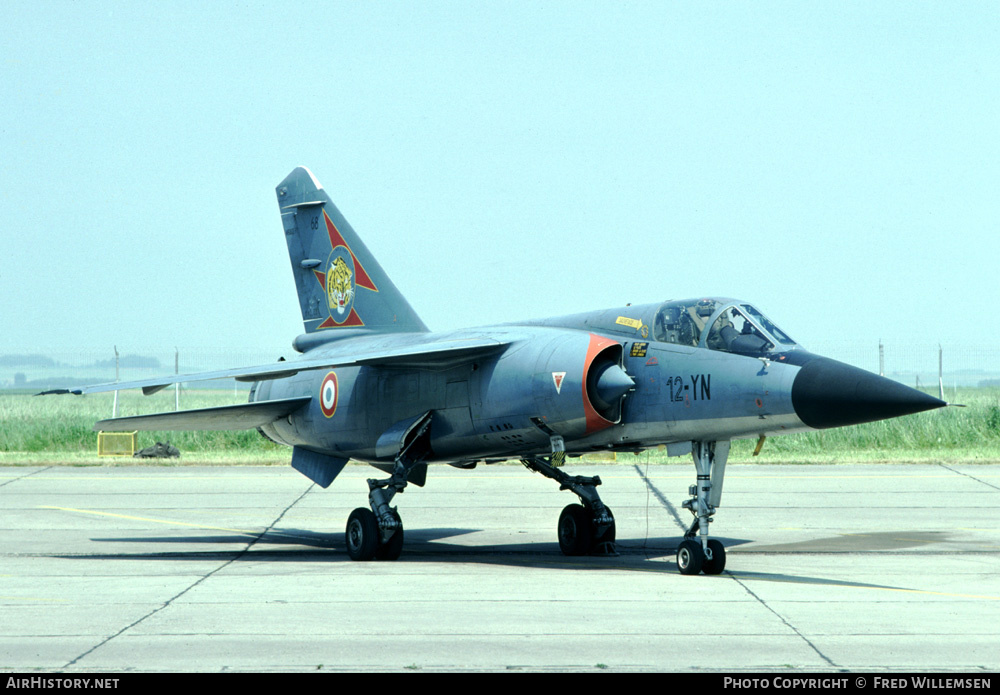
436 353
245 416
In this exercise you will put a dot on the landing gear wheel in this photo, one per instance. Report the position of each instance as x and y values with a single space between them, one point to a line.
576 530
718 561
690 557
391 549
361 535
605 543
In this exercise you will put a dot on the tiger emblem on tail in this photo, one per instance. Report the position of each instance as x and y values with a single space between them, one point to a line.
339 286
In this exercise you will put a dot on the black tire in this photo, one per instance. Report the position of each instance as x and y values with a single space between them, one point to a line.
690 557
608 536
391 549
361 535
576 530
718 561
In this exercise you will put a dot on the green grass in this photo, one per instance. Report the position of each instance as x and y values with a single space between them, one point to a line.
58 429
951 434
39 429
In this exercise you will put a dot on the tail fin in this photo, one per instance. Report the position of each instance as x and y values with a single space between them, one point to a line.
340 284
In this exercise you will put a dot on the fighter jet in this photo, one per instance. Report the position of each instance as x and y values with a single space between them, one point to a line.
372 383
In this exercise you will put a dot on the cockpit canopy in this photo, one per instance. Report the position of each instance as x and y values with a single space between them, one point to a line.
719 324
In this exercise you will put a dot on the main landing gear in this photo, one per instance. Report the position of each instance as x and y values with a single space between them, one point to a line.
377 533
584 529
697 552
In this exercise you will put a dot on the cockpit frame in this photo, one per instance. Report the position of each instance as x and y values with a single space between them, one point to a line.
719 323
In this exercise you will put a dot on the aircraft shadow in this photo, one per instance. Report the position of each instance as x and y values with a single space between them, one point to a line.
856 542
431 542
424 545
429 546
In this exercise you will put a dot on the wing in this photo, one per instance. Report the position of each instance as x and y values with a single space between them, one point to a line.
436 353
245 416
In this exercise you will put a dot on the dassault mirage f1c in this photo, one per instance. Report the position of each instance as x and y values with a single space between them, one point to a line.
373 384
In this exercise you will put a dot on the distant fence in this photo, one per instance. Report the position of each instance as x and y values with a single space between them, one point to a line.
55 369
917 364
911 363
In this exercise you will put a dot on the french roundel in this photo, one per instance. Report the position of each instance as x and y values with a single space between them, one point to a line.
328 395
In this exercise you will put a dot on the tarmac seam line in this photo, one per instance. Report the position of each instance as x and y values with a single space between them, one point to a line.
780 617
26 475
969 476
169 601
661 498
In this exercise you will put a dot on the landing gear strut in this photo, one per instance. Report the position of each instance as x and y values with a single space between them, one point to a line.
377 533
697 552
584 529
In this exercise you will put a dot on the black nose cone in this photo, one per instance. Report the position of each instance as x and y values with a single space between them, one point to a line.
827 393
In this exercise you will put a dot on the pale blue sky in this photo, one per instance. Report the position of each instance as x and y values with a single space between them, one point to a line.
835 163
